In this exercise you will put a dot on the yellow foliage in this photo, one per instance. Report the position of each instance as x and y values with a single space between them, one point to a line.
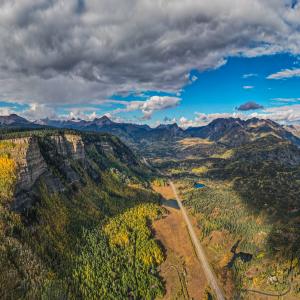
130 231
225 259
6 146
120 238
189 142
159 182
200 170
7 176
226 155
258 280
260 255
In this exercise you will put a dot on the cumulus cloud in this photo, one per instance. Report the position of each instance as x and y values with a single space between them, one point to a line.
202 119
288 114
284 74
283 114
64 51
5 111
248 87
38 111
151 105
249 106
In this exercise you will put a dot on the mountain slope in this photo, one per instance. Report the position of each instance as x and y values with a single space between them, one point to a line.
294 129
230 131
74 215
14 120
235 132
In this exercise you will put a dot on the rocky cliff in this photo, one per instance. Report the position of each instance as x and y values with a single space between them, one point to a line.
30 163
63 162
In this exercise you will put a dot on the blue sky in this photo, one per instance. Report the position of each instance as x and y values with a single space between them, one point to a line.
223 90
239 80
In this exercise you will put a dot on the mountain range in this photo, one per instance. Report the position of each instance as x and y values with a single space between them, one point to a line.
226 131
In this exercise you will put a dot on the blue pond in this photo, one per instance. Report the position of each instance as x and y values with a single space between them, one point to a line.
199 185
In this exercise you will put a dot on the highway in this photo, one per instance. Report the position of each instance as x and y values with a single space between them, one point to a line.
210 275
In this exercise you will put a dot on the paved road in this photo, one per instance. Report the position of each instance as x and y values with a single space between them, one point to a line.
211 277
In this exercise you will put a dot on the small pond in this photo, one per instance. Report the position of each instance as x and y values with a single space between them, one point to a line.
170 203
199 185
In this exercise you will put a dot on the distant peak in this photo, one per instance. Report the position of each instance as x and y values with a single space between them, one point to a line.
104 120
226 122
12 118
15 116
162 126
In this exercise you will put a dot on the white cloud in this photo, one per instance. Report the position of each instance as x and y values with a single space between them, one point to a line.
283 114
284 74
148 107
64 51
248 87
249 75
83 113
5 111
194 78
202 119
286 100
37 111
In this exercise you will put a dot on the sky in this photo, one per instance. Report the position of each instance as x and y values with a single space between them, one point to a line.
151 61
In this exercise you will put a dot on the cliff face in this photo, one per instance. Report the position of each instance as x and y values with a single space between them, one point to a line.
69 145
30 163
63 162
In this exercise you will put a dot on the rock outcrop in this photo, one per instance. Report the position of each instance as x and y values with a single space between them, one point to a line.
69 145
62 162
31 165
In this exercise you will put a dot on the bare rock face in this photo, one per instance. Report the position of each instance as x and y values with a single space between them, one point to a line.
34 164
62 162
30 162
70 146
30 167
294 129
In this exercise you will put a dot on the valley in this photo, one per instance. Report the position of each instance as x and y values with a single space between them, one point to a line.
246 209
184 276
88 213
149 150
247 212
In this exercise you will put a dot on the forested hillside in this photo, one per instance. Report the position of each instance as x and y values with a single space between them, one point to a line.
75 212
